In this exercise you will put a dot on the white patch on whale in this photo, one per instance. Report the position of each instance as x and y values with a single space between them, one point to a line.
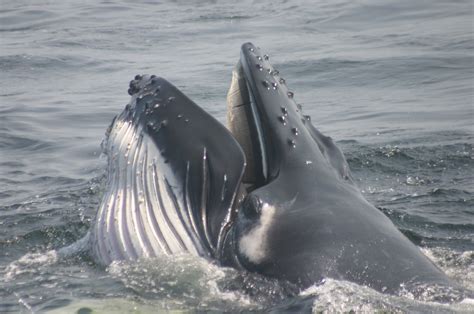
254 244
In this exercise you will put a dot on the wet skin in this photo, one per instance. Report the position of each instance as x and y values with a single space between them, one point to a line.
176 186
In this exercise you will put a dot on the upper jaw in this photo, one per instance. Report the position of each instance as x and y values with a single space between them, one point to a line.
286 137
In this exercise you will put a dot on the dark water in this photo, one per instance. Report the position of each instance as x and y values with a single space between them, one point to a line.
391 81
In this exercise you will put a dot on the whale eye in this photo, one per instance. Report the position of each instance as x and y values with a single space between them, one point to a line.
252 206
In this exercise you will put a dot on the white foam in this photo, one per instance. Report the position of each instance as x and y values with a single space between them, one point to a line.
254 244
29 263
181 279
457 265
337 296
342 296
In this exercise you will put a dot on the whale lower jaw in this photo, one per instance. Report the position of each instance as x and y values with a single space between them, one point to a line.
140 214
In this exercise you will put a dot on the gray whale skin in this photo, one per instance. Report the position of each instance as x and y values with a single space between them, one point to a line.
268 194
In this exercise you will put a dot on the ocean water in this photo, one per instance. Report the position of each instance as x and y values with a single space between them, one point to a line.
391 81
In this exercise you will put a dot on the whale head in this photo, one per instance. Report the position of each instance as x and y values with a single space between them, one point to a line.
269 193
293 175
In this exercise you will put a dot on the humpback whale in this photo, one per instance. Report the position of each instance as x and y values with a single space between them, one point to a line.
269 193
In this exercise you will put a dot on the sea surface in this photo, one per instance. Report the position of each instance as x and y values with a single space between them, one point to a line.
391 81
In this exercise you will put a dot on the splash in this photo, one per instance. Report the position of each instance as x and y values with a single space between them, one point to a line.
30 263
343 296
179 282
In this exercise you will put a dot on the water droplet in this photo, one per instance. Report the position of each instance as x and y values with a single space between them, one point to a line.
282 80
140 97
179 116
171 99
157 105
309 162
299 106
282 119
251 49
266 57
290 94
307 118
259 58
186 120
284 110
295 131
224 188
274 85
275 72
266 84
292 143
259 67
130 92
164 123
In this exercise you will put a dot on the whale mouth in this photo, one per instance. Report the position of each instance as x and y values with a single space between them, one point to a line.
177 177
259 110
244 123
269 194
264 118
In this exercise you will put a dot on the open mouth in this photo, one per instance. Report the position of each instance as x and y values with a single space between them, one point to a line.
274 195
262 116
178 172
243 120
